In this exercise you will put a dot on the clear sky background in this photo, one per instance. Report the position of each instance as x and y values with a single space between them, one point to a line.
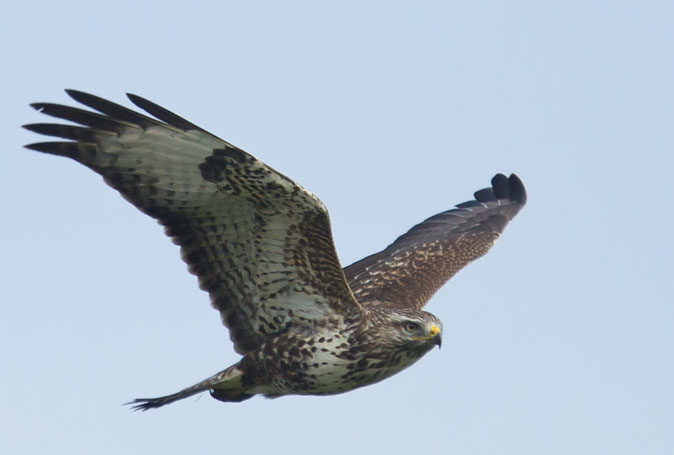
559 341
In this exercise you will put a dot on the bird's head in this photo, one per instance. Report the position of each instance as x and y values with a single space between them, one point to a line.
407 329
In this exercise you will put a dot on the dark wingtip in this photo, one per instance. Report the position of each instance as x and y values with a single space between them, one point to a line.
517 191
500 186
503 187
163 114
44 147
139 100
36 146
77 95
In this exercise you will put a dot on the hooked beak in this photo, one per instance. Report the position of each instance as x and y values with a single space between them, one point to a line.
433 334
437 336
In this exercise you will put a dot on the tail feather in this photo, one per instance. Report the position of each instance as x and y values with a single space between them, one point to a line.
143 404
227 381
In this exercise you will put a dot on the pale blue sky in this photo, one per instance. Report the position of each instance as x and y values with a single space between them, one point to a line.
559 341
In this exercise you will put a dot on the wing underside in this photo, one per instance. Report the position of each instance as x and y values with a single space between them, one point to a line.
260 244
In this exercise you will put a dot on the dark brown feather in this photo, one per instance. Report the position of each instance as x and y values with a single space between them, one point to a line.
409 271
112 110
164 114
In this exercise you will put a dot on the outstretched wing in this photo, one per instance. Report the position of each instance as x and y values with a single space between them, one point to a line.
260 244
410 270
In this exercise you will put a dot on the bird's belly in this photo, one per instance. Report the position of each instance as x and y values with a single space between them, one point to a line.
329 373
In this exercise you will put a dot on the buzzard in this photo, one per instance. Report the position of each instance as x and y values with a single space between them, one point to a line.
262 247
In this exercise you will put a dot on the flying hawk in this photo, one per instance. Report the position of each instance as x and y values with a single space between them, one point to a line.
262 248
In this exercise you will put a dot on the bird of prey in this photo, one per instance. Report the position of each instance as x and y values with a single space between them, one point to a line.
262 247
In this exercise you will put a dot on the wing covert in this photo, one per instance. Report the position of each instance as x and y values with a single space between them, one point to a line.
409 271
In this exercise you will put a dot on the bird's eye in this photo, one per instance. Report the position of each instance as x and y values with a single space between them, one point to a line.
410 326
